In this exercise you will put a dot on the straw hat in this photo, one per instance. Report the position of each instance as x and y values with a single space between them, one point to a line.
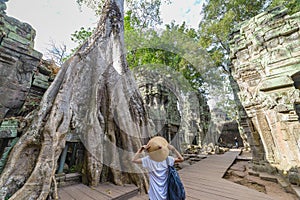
158 150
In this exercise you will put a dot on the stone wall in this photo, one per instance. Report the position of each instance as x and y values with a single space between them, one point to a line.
265 53
18 62
24 78
177 115
221 132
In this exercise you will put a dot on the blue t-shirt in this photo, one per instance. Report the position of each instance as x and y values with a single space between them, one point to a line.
158 175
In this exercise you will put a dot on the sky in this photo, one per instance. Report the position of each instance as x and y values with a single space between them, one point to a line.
56 20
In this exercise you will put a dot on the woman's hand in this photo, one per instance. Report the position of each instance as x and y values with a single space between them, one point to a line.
144 147
136 158
179 156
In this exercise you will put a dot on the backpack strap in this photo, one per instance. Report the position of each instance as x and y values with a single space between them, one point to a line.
167 161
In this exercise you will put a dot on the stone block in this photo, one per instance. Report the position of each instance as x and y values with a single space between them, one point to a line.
19 39
8 129
289 29
295 53
278 54
14 25
20 48
273 83
239 174
268 177
18 62
41 81
253 173
244 158
243 55
294 178
290 118
271 44
296 190
73 177
293 37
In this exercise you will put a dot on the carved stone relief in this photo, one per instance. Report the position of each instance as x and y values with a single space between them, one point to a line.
268 77
175 113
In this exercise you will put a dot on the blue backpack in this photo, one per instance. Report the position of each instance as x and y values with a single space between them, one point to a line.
175 186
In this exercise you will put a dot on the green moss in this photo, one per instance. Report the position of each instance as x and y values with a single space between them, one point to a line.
6 153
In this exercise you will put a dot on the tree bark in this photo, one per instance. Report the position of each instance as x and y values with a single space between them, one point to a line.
94 95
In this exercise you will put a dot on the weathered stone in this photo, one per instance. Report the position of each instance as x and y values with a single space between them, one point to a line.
268 177
8 129
175 112
18 62
267 77
5 154
24 78
239 174
2 6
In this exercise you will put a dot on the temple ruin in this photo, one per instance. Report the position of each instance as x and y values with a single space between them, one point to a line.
179 115
266 65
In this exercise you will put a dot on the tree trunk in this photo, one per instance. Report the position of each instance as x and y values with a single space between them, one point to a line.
94 95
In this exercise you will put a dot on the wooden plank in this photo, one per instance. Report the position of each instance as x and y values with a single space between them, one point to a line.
91 192
128 191
140 197
104 191
64 195
194 194
75 194
225 192
109 189
203 180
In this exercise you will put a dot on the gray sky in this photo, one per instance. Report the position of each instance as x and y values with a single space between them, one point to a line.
56 20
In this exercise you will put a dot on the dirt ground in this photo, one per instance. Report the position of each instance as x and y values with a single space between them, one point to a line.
238 173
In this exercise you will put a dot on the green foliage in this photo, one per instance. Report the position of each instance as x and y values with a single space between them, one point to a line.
219 20
5 154
96 5
175 47
161 51
220 17
145 14
292 5
81 36
76 168
129 21
7 197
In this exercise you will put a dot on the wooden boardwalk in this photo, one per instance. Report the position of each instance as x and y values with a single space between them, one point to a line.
104 191
202 181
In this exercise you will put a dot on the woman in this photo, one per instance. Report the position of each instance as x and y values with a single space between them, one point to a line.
156 164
